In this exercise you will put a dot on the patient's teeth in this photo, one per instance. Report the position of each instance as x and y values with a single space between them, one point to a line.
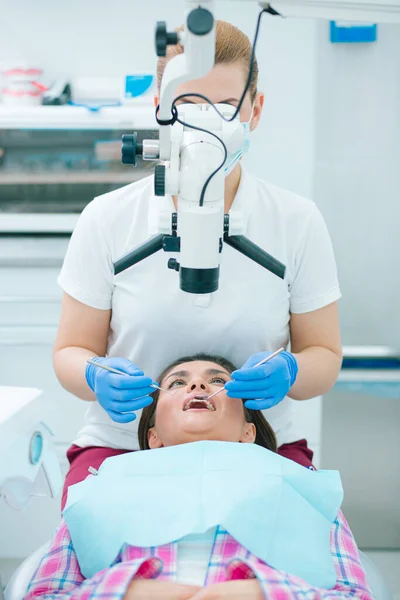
200 399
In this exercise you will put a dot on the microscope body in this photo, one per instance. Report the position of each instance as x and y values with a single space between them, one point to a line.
195 155
194 143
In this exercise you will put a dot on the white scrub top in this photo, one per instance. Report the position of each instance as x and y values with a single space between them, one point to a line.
153 322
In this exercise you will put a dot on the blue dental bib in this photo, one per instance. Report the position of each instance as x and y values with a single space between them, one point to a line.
278 510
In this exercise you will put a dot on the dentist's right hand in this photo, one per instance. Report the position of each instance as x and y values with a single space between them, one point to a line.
119 395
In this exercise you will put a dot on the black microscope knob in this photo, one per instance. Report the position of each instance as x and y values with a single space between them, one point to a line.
173 264
164 38
200 21
159 180
129 147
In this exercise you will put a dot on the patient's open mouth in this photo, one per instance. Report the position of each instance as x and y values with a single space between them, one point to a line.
199 402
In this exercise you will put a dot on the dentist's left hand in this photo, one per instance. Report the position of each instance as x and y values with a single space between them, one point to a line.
266 385
119 395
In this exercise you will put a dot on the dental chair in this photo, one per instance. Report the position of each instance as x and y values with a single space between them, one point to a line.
18 585
41 476
28 463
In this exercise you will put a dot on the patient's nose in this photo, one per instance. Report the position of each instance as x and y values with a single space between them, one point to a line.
198 384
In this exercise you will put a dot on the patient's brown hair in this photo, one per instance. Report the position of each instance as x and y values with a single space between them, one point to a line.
265 435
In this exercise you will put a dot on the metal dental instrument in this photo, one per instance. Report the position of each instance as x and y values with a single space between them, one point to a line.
264 360
117 372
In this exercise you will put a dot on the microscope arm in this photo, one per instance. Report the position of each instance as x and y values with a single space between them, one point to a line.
171 243
245 246
149 247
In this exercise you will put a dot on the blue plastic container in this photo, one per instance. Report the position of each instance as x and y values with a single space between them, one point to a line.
352 33
137 85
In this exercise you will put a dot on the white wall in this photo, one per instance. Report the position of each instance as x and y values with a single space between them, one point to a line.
357 186
98 37
357 178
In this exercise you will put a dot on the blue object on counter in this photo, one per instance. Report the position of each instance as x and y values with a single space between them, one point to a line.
94 107
371 362
343 32
370 370
137 85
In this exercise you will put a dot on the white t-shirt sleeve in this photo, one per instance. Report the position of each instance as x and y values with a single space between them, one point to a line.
87 272
315 282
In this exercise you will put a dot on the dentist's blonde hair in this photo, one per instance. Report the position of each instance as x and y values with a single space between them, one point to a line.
231 46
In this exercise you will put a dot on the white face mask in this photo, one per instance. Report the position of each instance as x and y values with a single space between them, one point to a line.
233 157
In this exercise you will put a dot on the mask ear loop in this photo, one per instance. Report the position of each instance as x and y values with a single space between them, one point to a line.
251 117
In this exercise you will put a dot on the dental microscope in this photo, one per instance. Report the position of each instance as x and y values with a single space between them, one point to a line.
195 139
193 145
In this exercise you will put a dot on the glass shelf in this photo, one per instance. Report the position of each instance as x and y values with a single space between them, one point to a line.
137 117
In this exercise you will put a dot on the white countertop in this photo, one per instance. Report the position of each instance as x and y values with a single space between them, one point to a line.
370 375
369 351
135 117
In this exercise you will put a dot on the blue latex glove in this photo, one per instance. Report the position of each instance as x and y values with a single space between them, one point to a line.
119 394
266 385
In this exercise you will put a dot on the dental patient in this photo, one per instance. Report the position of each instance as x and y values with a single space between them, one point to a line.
197 457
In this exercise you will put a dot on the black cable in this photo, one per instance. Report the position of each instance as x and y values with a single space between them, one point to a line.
268 10
203 191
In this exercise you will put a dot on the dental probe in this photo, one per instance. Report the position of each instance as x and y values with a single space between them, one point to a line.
106 368
264 360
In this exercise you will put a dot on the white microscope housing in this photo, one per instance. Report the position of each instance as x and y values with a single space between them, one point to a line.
200 227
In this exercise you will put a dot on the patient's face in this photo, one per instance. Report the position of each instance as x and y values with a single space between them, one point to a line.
186 416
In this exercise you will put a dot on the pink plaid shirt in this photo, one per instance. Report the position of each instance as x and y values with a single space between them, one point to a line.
58 575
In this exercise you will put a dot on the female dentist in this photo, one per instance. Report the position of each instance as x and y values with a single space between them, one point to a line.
144 317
